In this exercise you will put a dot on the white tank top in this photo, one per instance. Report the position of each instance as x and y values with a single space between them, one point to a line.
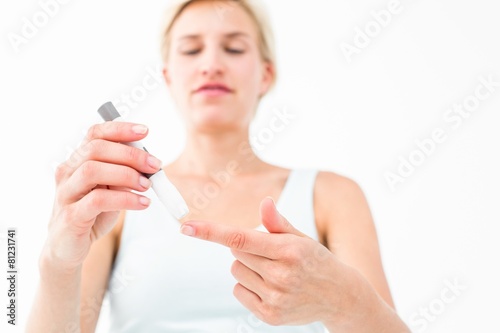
174 283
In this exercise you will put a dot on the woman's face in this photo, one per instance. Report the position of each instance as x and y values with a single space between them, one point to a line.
216 43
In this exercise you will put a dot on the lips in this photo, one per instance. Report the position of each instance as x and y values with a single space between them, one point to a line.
213 89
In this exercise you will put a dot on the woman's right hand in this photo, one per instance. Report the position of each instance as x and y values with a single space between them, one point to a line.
92 187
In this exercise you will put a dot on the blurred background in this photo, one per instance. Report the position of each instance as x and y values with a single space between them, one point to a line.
401 96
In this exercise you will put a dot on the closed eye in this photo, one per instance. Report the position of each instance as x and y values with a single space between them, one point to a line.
191 52
235 51
229 50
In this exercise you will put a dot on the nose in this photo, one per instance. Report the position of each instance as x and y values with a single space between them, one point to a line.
211 63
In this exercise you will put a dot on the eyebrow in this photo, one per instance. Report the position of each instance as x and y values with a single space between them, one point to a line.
228 35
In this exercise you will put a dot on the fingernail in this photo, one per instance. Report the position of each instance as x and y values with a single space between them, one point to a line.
144 182
144 201
187 230
139 129
272 200
154 162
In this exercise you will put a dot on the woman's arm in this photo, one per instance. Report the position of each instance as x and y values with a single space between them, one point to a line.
92 187
56 307
287 278
70 301
346 223
96 273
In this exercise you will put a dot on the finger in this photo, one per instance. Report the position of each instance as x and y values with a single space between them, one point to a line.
116 131
105 223
111 152
247 298
274 221
246 240
93 173
248 278
101 200
256 263
108 131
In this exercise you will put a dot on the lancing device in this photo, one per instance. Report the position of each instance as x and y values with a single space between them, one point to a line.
164 189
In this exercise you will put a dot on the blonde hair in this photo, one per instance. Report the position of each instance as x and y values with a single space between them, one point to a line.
254 8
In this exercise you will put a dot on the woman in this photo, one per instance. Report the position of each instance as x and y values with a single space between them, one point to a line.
302 266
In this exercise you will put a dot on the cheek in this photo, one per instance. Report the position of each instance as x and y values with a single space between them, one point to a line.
248 74
180 74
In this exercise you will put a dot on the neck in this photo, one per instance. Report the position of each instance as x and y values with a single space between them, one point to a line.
208 153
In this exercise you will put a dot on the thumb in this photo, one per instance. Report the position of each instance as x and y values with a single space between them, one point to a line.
274 221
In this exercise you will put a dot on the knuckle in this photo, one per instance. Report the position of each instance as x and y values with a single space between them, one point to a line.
280 276
235 267
132 154
284 278
95 200
207 233
91 149
236 240
67 215
129 175
271 315
260 311
60 172
235 290
275 300
81 153
290 253
121 126
74 160
290 281
94 132
60 196
88 169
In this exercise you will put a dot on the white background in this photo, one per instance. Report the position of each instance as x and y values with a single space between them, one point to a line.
353 118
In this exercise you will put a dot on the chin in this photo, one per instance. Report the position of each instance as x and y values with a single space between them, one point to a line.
213 117
213 113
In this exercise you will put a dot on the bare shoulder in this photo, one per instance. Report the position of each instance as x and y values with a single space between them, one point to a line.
334 196
331 183
346 224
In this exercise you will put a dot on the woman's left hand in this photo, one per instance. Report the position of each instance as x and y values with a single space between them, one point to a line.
284 277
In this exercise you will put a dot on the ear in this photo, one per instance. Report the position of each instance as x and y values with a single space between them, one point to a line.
268 74
166 75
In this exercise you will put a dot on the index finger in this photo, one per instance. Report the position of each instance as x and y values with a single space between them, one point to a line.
116 131
247 240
